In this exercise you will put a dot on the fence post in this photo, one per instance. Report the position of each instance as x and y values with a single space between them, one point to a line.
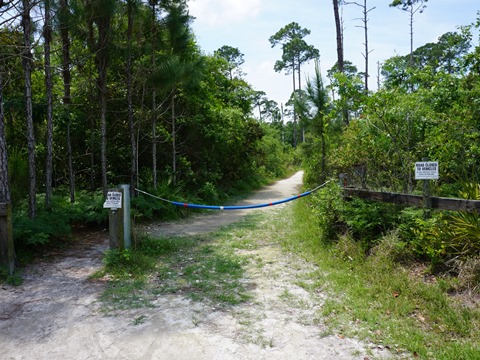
119 228
125 188
7 254
427 201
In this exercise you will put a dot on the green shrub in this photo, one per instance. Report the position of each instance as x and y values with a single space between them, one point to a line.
327 205
40 230
127 262
368 221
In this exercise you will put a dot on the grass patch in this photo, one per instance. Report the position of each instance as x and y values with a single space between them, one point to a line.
204 268
376 299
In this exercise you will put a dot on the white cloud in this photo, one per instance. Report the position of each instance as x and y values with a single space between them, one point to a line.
222 12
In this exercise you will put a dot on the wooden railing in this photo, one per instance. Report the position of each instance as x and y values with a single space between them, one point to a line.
440 203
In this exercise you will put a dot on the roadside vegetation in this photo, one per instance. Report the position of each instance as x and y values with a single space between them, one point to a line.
377 291
203 268
380 296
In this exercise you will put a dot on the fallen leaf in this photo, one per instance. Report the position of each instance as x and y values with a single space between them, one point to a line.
396 294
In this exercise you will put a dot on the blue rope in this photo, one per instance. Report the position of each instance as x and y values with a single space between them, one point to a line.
234 207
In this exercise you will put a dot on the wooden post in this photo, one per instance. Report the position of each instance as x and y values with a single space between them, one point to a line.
427 201
118 201
115 218
7 254
112 229
120 223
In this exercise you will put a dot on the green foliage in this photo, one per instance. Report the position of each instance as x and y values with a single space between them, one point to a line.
208 192
87 208
18 173
365 222
42 229
15 279
55 224
388 304
327 205
126 263
149 208
368 221
431 240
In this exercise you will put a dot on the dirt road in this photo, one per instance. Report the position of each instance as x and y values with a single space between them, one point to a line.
55 314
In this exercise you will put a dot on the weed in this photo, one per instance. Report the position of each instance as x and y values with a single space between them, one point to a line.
139 320
14 279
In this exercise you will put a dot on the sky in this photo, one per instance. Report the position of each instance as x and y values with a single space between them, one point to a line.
248 24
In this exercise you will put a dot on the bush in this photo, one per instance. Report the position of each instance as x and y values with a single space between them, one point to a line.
40 230
327 205
368 221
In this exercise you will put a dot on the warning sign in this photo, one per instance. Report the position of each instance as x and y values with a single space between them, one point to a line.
426 170
114 200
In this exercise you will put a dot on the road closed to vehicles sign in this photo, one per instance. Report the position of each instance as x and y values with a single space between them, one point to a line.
114 200
426 170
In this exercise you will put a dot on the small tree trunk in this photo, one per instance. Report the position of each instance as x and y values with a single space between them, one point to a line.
338 28
174 140
294 112
66 61
4 185
27 68
411 34
47 34
154 104
133 175
154 139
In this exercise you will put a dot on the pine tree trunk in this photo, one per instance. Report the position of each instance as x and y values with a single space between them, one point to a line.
66 61
47 34
133 175
174 140
365 23
154 104
27 68
4 186
294 112
338 27
103 29
103 125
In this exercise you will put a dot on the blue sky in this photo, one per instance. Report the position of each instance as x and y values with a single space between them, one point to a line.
248 24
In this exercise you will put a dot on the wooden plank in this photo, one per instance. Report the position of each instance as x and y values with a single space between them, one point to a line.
455 204
440 203
404 199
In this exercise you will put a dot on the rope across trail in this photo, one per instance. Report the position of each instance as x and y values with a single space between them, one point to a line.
233 207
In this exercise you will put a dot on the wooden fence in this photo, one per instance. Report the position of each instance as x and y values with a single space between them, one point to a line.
440 203
6 237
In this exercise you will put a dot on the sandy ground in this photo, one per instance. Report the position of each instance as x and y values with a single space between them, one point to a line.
55 314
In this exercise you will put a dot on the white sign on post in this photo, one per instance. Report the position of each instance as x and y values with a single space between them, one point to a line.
113 201
426 170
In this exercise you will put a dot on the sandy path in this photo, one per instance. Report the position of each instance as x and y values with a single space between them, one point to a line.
55 313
